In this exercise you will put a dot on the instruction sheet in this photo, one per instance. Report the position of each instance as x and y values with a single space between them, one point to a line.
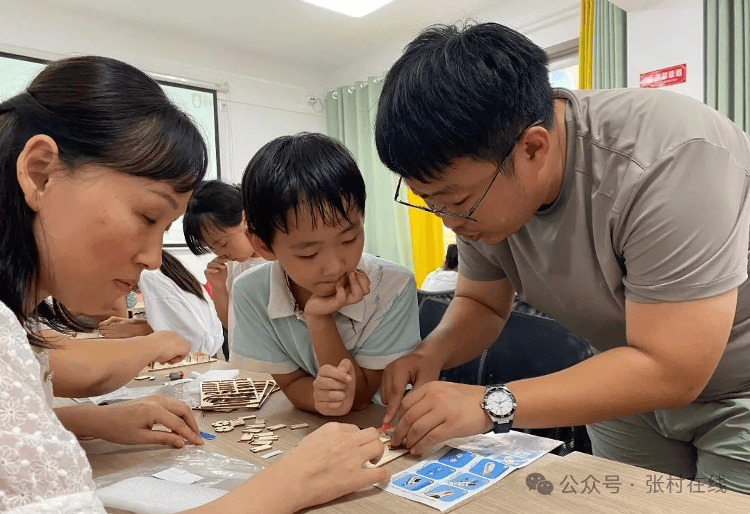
465 466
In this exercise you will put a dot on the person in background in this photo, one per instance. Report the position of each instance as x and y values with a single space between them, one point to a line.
175 301
95 164
323 318
444 278
215 222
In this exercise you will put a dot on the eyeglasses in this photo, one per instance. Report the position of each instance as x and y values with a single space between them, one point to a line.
441 210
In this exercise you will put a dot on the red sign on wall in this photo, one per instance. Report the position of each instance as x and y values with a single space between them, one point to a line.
665 76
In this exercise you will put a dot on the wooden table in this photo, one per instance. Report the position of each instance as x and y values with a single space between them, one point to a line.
582 483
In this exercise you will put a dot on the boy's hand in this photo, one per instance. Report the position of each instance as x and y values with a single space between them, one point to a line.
334 389
354 286
216 273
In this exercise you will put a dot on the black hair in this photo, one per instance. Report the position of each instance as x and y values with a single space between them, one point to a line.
213 204
451 257
304 171
460 92
174 270
98 111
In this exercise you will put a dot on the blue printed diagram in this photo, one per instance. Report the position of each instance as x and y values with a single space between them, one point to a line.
413 482
436 470
488 468
456 458
468 481
445 493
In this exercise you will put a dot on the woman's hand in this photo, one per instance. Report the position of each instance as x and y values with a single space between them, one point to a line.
132 421
329 463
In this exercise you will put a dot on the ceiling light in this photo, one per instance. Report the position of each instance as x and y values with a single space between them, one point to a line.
354 8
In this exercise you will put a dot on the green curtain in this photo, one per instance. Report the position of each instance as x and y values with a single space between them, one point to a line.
727 51
609 66
350 117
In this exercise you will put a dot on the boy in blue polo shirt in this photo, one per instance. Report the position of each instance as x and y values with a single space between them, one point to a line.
323 318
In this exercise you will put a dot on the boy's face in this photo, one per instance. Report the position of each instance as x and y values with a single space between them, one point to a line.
230 243
316 256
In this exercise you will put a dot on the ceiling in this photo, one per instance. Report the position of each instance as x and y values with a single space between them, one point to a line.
295 32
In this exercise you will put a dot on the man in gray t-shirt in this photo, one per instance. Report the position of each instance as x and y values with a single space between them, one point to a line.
623 214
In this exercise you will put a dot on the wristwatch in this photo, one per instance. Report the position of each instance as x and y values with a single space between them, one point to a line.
500 405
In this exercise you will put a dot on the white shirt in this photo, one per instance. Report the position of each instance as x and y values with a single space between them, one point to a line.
234 270
43 469
440 280
170 308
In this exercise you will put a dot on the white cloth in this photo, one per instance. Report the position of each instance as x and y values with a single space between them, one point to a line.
440 280
170 308
234 270
43 469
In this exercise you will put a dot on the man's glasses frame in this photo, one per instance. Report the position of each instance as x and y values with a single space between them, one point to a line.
440 210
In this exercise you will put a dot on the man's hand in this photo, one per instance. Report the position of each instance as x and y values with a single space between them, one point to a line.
438 411
122 328
334 389
354 286
417 368
216 273
131 422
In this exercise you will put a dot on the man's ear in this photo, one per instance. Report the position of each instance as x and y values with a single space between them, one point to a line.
261 247
34 167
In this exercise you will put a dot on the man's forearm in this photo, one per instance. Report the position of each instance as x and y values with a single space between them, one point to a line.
466 330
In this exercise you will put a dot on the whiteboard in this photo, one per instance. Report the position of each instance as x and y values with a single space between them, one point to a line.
16 72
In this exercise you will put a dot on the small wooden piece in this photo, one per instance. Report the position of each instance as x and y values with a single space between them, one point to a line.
261 448
276 427
224 429
298 425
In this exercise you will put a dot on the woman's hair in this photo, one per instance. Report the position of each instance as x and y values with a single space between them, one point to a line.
98 111
180 275
213 205
451 258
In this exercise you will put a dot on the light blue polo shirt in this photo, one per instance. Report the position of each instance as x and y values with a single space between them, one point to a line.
270 337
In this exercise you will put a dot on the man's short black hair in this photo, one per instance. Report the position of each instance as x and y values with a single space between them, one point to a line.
213 205
305 171
460 92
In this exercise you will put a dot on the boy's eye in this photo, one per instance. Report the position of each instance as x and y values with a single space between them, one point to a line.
149 221
308 256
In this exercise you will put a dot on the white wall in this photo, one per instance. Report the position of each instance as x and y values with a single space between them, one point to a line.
665 34
547 27
264 99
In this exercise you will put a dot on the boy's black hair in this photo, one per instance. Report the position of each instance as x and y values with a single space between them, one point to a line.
451 257
305 171
213 204
460 92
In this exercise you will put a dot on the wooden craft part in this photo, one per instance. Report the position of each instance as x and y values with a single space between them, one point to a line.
389 454
227 395
263 434
258 426
252 430
224 429
298 425
267 438
144 377
189 360
221 423
276 427
260 421
248 416
261 448
246 437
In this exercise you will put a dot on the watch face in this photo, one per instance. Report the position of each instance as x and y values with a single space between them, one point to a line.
499 404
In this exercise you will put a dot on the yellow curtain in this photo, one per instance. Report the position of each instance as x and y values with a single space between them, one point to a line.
585 45
426 240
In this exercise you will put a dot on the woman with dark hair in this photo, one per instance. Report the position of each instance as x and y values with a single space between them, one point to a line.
174 300
95 164
443 278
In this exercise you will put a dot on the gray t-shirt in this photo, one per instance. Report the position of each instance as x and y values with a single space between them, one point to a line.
653 208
